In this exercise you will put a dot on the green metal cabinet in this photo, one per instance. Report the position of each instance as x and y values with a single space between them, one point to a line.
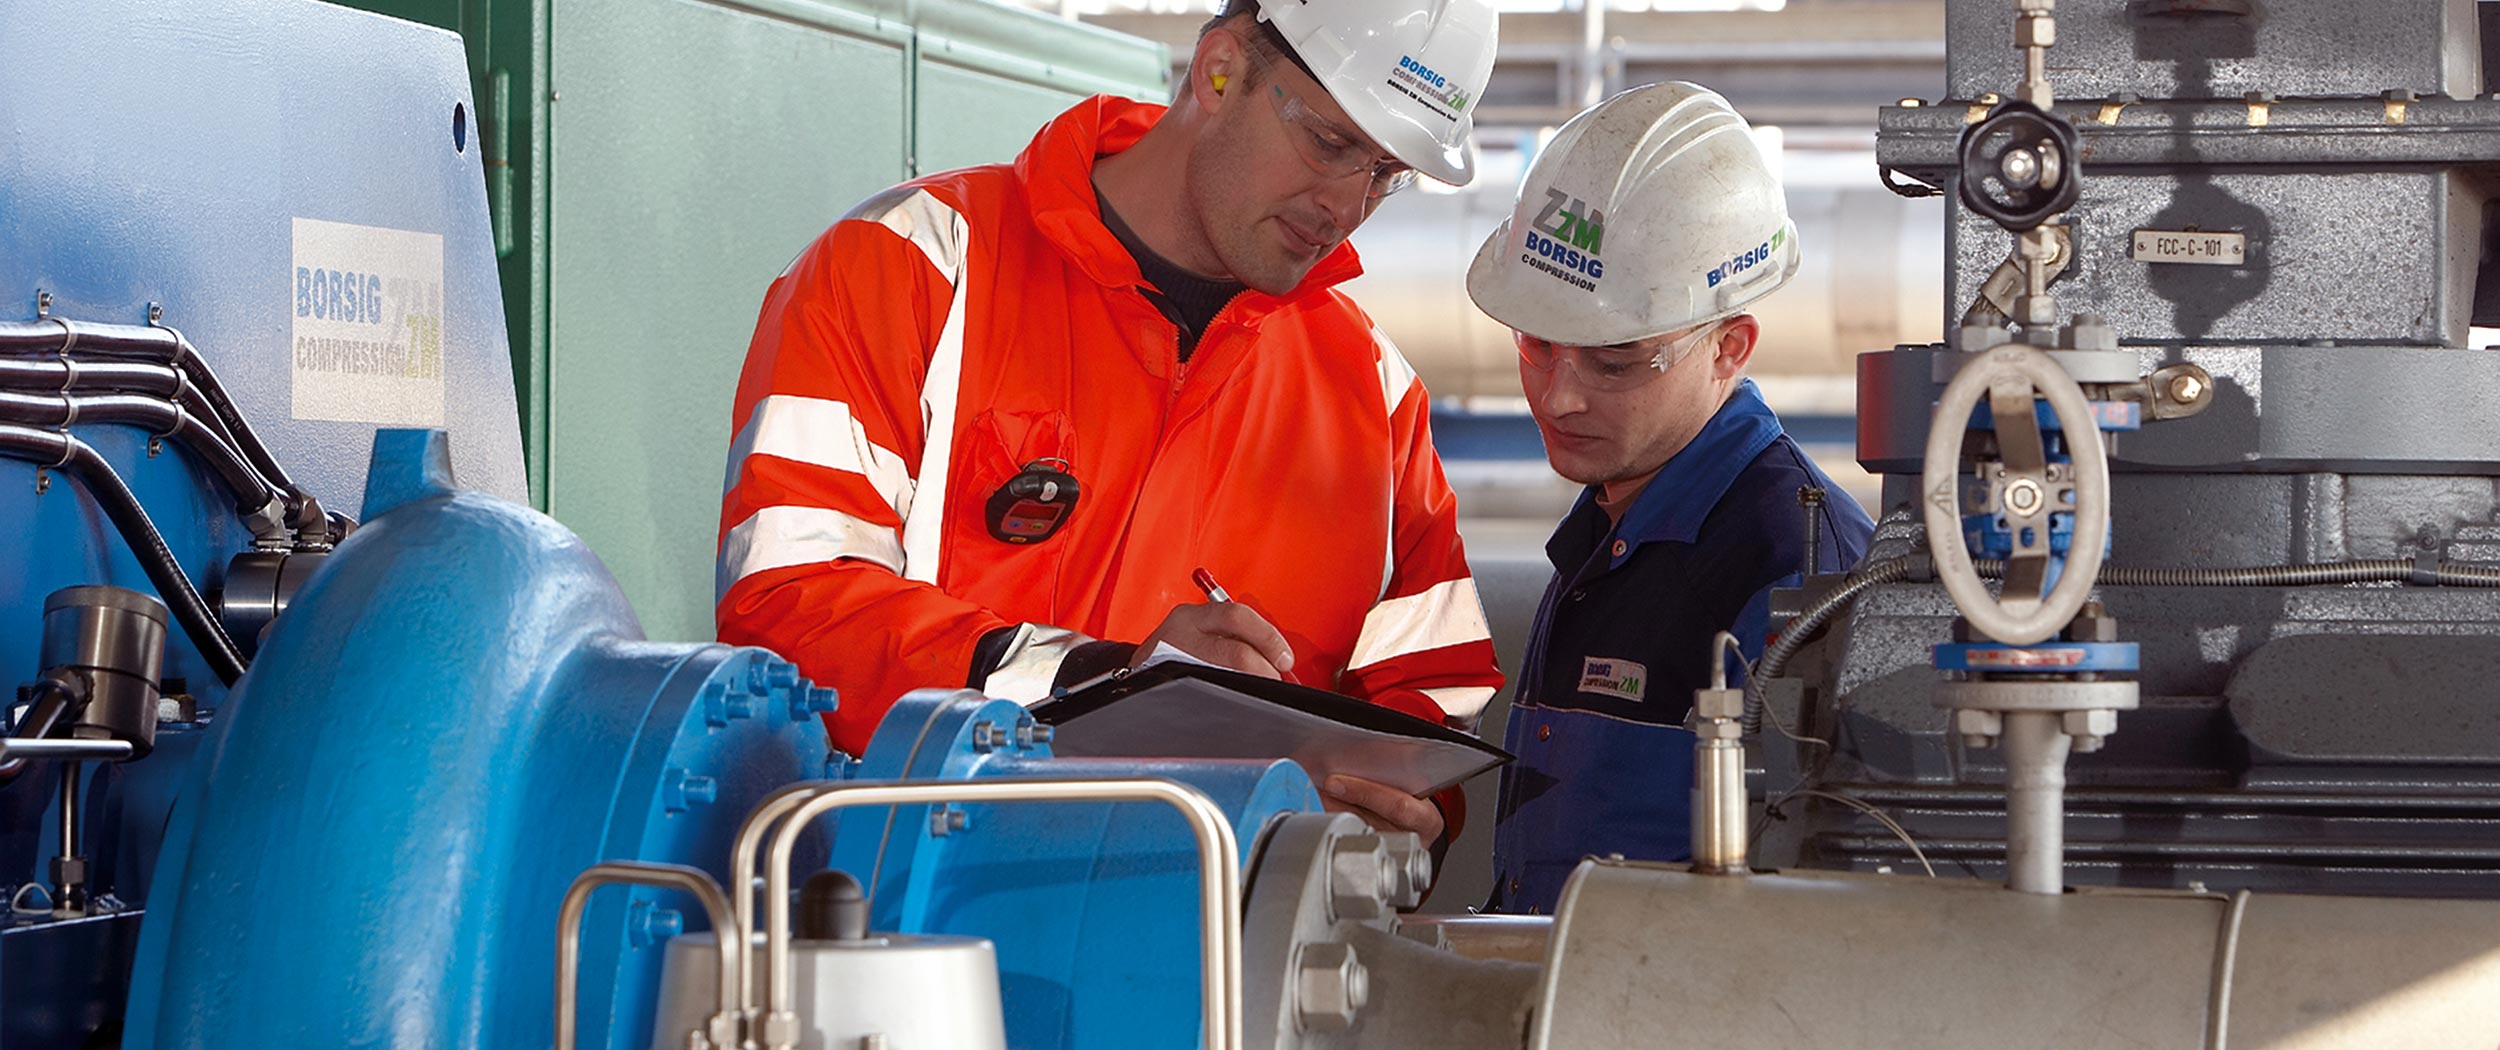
654 164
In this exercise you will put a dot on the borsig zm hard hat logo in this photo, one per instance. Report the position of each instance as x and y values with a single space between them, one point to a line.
1564 240
1420 82
1749 258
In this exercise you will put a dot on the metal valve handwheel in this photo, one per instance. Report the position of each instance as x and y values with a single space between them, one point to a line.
2019 166
2007 376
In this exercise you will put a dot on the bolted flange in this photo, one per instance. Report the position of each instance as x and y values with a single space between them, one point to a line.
1331 986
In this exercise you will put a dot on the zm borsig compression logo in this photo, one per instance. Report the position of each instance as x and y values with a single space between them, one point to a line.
1748 259
1425 84
1565 239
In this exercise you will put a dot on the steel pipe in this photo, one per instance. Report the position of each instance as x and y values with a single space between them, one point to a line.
725 1020
2035 744
1219 895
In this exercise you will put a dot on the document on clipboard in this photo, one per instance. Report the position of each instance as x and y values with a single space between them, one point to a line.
1186 709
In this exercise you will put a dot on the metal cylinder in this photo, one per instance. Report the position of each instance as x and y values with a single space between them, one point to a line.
113 638
915 991
1719 827
259 586
2035 744
1888 961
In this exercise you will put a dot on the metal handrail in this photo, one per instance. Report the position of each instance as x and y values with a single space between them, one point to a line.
1219 882
726 1021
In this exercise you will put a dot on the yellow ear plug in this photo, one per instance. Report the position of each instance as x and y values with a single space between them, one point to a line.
1218 80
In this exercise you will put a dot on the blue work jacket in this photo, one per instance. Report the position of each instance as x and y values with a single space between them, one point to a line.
1622 640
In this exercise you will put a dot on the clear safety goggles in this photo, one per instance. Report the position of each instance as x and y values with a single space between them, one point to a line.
1610 369
1331 149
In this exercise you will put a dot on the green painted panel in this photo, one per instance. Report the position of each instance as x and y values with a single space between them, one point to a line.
695 148
990 75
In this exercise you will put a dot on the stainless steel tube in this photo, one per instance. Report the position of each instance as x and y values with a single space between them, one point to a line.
58 748
1719 819
1219 884
725 1018
2035 744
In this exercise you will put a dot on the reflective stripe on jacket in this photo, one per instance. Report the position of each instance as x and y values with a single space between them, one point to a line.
958 326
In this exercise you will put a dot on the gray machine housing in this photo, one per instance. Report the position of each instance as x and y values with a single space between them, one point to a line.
2319 738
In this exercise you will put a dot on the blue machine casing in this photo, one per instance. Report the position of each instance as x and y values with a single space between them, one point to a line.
155 153
1093 908
457 718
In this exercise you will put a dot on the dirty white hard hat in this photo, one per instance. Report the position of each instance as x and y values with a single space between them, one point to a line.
1407 71
1651 212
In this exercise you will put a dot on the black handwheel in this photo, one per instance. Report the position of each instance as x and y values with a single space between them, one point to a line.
2019 166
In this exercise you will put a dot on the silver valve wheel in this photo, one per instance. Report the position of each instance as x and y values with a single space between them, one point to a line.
2008 376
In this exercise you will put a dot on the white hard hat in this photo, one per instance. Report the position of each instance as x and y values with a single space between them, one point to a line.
1407 71
1650 212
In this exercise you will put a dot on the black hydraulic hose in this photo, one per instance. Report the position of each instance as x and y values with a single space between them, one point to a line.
55 701
1810 622
251 492
166 346
79 460
51 376
2367 570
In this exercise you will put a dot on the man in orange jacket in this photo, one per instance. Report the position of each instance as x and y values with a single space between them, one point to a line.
993 420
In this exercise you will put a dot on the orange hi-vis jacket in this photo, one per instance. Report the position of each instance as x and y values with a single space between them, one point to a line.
960 325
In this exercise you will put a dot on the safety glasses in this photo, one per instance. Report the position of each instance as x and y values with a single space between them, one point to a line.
1331 149
1610 369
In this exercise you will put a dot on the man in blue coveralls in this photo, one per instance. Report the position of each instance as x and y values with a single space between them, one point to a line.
1641 235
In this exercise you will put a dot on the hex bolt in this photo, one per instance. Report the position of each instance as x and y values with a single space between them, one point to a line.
2024 497
681 790
947 820
647 924
1361 877
812 700
1979 729
768 674
2091 728
1031 734
987 736
1410 868
2186 389
1330 987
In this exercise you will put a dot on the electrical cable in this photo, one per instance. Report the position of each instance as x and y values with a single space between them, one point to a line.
1808 623
2368 570
80 461
1867 808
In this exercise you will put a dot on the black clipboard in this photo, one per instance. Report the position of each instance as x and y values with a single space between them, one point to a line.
1185 710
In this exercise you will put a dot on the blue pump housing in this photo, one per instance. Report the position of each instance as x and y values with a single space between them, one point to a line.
457 718
1093 908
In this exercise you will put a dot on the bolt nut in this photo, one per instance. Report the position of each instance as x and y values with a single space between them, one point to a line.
2186 389
1330 986
2090 727
647 924
812 700
2035 30
987 736
946 820
1718 703
2024 497
769 674
1979 729
2020 167
1031 734
1410 869
1360 878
